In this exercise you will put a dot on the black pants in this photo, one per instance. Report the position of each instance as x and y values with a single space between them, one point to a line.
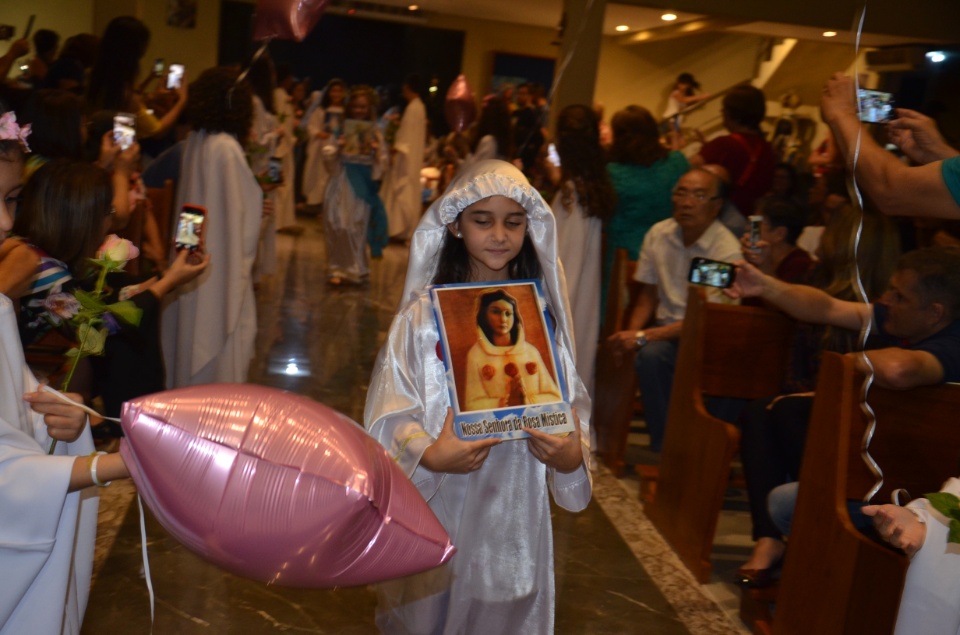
771 448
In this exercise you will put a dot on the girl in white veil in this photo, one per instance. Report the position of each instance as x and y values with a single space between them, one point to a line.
492 497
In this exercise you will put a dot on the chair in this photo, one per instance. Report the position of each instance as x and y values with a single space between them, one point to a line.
725 351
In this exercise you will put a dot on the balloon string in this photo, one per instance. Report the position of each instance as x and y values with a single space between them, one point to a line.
865 407
146 563
243 75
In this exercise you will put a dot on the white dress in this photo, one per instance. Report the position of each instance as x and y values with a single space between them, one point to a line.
579 240
47 536
263 145
401 191
315 174
489 377
286 199
501 580
209 325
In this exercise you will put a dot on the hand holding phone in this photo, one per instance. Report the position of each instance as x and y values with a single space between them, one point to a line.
711 273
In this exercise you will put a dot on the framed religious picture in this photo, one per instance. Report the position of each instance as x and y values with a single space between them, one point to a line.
500 357
358 136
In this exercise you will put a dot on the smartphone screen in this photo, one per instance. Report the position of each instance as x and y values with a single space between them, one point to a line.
552 155
158 66
755 229
875 106
190 228
275 170
124 129
174 76
711 273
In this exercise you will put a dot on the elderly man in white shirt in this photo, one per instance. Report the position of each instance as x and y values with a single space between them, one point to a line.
656 319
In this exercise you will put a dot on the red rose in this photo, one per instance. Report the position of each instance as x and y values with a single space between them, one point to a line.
488 372
531 368
511 369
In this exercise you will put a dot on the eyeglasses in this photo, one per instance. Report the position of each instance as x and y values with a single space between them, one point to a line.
698 196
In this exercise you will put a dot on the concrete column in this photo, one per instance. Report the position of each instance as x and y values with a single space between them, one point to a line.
581 43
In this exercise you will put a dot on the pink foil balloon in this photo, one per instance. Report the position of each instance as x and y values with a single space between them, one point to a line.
461 105
286 19
276 487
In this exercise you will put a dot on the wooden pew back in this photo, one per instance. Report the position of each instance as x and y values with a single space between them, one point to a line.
835 579
725 351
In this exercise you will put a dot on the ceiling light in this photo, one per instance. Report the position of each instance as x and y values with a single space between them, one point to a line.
624 27
413 7
668 17
936 56
829 34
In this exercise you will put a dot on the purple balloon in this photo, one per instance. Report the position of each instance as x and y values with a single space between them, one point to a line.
286 19
276 487
461 105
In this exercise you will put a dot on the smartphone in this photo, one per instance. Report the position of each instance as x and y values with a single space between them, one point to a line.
552 155
754 229
174 76
274 170
711 273
875 106
124 129
190 228
158 65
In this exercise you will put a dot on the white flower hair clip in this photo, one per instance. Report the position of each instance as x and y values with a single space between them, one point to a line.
10 130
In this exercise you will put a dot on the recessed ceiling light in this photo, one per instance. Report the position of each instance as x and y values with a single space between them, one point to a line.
829 34
623 27
668 17
936 56
413 7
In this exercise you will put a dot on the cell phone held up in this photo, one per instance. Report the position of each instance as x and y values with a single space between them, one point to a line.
711 273
124 129
754 229
190 229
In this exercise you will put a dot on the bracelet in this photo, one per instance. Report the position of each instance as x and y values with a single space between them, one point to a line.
92 462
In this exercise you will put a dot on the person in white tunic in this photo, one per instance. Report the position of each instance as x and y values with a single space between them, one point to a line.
209 327
584 202
48 509
491 497
401 191
353 214
323 128
286 193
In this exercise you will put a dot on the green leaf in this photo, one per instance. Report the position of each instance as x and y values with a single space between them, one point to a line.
127 312
91 339
89 301
945 503
73 352
954 535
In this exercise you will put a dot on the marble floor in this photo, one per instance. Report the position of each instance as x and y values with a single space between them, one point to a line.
614 573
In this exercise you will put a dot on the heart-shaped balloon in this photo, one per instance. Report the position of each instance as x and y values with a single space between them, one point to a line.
276 487
461 105
286 19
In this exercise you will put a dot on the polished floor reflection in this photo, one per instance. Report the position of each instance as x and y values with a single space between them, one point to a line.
614 574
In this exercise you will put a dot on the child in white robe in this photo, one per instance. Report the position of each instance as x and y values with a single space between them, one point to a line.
491 497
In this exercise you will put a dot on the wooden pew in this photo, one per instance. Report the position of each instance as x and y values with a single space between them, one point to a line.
836 580
727 351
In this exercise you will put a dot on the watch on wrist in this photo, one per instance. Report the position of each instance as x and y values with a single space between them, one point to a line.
641 339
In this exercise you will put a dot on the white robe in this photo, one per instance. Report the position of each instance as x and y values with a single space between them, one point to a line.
401 191
263 145
286 199
209 326
501 580
579 240
47 536
315 174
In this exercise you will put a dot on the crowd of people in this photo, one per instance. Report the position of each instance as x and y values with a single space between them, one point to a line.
250 147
